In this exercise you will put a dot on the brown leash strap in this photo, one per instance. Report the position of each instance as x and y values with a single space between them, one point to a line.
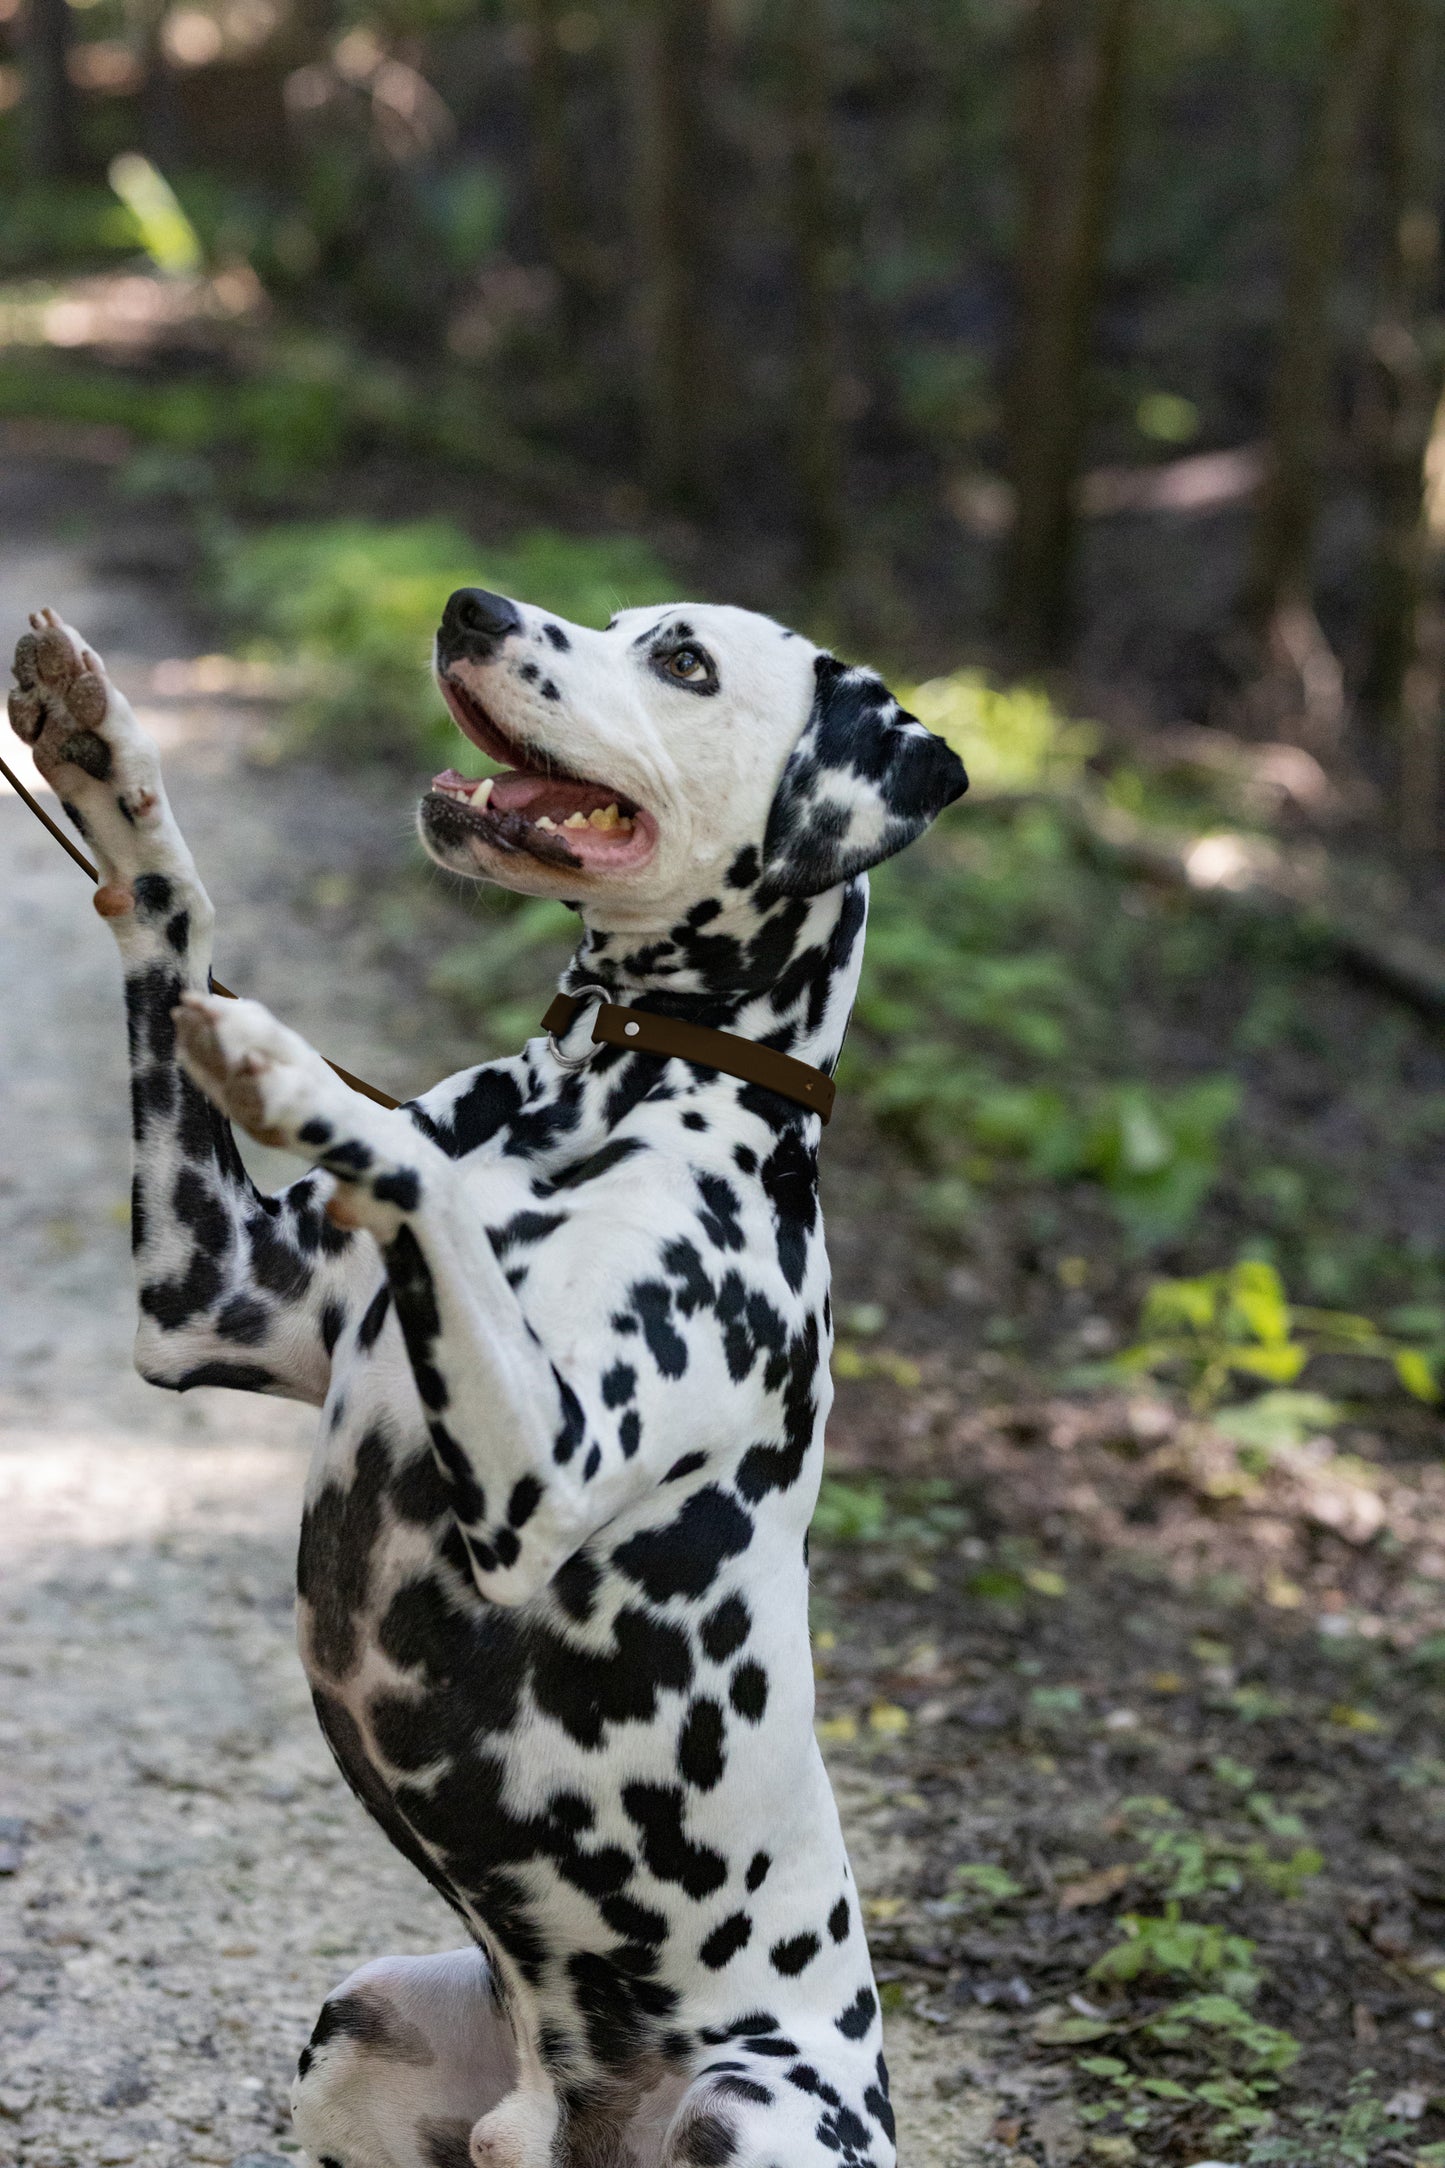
638 1031
368 1091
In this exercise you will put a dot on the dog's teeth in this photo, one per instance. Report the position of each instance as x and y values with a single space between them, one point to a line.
546 822
605 817
575 820
482 792
626 825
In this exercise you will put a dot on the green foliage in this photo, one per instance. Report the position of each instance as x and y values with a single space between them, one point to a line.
355 605
63 225
1157 2069
1352 2137
164 231
496 974
983 1878
1171 1947
919 1515
1010 738
1186 1862
849 1512
1239 1325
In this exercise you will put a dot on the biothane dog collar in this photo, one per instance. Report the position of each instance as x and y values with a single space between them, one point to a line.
638 1031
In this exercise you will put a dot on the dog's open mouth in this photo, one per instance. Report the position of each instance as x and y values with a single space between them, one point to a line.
548 812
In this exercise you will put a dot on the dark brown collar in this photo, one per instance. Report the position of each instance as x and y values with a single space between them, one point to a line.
638 1031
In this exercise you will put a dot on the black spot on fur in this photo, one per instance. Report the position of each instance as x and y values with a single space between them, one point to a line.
338 1534
618 1385
658 1810
749 1691
726 1629
859 2015
794 1954
683 1558
741 2088
727 1938
403 1189
707 2143
700 1756
838 1920
586 1690
368 1332
575 1585
241 1377
445 2140
524 1501
757 1872
243 1319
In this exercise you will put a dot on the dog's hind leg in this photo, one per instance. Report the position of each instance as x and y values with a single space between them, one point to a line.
407 2055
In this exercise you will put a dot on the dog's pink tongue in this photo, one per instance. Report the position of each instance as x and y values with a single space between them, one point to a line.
451 779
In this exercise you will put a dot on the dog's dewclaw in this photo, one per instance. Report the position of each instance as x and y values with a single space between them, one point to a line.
26 651
86 700
27 716
54 657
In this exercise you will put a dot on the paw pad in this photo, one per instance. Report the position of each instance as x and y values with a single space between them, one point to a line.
27 716
26 651
86 700
54 657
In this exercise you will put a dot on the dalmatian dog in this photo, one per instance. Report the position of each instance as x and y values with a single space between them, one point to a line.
567 1319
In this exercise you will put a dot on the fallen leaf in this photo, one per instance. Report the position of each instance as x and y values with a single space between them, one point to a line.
1093 1889
1044 1582
1355 1719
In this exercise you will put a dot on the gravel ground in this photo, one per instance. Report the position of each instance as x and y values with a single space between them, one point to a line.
184 1875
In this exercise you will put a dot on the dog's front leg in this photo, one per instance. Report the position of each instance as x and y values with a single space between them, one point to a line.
504 1424
235 1288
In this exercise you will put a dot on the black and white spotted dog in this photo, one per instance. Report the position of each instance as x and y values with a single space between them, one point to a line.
568 1319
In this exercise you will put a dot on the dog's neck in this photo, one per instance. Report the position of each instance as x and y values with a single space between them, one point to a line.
779 969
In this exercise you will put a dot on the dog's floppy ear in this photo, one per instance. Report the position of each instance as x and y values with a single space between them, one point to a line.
864 779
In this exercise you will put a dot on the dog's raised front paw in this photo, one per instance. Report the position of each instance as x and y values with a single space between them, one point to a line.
106 772
66 709
256 1070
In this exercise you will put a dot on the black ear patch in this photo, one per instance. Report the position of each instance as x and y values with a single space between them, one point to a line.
864 779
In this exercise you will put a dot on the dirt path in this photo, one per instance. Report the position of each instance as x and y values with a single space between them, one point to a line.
184 1876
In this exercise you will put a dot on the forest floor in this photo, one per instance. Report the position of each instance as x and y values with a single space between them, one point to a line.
1073 1664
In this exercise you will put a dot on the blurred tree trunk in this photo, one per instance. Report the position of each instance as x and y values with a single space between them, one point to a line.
1279 592
815 430
671 83
160 117
1074 79
560 213
52 131
1402 682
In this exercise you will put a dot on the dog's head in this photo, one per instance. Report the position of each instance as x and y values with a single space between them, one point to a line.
648 765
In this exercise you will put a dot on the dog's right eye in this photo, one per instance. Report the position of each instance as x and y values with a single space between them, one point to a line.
687 663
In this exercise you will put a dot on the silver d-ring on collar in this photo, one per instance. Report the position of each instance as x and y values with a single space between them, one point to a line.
578 993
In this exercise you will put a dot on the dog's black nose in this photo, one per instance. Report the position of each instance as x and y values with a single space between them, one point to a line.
474 622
